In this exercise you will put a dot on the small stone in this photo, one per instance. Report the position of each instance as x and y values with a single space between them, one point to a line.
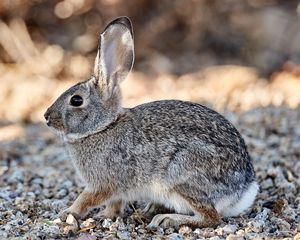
71 220
169 231
86 237
263 215
234 237
37 181
73 224
297 236
215 238
67 184
123 235
290 176
88 222
61 193
268 183
114 227
70 229
219 231
31 194
197 231
282 224
57 221
185 230
175 236
255 226
16 176
5 194
289 214
230 228
107 223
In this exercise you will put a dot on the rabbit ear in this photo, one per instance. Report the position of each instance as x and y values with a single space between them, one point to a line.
115 54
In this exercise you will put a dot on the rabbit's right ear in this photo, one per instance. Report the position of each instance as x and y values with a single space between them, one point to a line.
115 54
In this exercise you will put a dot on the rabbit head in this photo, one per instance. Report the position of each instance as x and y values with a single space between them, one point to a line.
90 106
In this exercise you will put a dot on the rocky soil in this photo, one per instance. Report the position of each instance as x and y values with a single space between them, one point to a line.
37 181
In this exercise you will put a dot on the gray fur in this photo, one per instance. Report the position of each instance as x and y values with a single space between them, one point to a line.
183 146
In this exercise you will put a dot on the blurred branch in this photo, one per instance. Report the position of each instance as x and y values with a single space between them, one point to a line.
16 41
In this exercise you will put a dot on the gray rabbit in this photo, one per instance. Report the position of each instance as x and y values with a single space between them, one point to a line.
180 155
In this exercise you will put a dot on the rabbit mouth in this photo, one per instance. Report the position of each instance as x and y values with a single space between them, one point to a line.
55 124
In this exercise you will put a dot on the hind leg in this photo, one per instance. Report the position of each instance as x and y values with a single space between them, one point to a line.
205 215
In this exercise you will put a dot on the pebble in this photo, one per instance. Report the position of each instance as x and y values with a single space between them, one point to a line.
123 235
87 223
57 221
256 226
61 193
229 228
268 183
71 220
107 223
234 237
184 230
16 177
215 238
72 224
175 236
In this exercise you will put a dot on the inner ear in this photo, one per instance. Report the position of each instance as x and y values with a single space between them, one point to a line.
115 54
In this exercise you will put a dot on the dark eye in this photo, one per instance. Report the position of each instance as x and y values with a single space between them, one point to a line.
76 101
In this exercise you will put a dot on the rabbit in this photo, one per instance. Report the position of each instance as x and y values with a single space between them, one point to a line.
176 154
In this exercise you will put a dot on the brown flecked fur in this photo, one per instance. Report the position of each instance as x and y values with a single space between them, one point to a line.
181 155
85 201
113 209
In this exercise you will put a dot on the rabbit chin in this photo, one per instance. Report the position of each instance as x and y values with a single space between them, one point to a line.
56 131
71 137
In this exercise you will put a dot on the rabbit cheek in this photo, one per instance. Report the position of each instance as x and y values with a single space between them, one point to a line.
74 121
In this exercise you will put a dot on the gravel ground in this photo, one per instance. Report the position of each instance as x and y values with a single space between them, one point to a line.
37 180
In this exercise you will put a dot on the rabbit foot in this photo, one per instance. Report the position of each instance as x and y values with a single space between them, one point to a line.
164 220
177 220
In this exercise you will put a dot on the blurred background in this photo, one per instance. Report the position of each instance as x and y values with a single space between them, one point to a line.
231 55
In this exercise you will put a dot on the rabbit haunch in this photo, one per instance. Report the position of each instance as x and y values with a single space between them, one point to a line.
178 154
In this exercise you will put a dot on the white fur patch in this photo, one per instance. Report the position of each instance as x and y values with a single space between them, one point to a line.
158 193
228 207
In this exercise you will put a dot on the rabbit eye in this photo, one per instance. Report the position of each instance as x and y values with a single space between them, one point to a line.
76 101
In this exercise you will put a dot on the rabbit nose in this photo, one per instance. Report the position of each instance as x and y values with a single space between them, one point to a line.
47 116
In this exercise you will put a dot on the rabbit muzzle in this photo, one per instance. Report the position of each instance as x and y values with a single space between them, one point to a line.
53 119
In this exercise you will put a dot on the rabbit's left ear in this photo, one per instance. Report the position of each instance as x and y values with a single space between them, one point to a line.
115 54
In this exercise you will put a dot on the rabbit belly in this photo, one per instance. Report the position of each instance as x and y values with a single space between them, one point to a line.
160 194
229 207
